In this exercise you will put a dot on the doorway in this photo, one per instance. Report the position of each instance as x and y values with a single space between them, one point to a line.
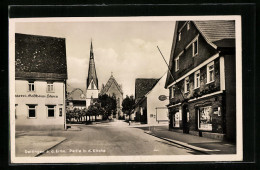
185 121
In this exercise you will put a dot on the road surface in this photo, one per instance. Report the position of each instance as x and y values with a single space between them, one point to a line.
113 139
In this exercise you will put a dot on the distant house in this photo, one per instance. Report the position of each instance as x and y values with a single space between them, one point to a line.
202 83
40 82
148 108
76 99
112 88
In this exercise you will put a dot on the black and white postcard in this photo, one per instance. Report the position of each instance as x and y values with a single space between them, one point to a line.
125 89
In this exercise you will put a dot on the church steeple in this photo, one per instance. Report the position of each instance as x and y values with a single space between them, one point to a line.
92 75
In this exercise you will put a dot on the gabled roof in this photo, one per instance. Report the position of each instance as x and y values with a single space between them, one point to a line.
77 94
215 30
217 33
40 57
109 83
143 86
92 75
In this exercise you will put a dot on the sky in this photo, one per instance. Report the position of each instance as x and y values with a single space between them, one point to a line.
126 49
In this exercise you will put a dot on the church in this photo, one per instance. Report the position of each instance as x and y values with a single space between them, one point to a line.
112 88
92 80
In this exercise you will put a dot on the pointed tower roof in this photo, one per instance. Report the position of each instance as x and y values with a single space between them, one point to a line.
92 75
109 84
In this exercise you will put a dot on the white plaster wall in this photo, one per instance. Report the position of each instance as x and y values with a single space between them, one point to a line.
41 121
153 102
91 93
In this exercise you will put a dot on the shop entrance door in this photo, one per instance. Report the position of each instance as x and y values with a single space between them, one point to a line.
185 122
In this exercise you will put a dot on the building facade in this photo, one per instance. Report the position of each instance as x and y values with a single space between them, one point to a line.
201 84
76 99
148 108
112 88
40 82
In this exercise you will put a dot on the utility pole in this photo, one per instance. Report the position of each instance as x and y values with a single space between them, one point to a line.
170 72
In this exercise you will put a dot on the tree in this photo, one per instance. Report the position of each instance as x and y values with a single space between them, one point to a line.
69 114
95 110
108 104
128 105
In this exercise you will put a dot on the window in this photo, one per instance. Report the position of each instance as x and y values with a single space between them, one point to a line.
179 37
92 85
197 79
31 86
195 48
177 64
188 26
51 111
31 111
205 118
172 92
16 111
186 85
210 72
50 87
176 119
60 112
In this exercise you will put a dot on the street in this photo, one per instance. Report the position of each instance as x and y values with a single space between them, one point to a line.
114 139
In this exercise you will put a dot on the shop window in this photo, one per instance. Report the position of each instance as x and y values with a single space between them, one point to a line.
51 111
205 118
176 119
186 85
50 87
195 48
177 64
31 111
197 79
210 72
31 86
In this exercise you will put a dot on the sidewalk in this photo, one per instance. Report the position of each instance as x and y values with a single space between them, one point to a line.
201 144
31 146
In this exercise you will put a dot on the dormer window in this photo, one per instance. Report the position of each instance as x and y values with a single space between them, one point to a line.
188 26
179 36
195 48
177 65
31 86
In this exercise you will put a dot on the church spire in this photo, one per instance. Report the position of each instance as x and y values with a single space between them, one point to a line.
92 75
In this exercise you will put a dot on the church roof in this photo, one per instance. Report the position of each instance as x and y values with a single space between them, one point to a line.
92 75
40 57
109 84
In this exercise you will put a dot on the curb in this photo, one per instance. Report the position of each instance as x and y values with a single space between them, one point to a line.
179 143
50 148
